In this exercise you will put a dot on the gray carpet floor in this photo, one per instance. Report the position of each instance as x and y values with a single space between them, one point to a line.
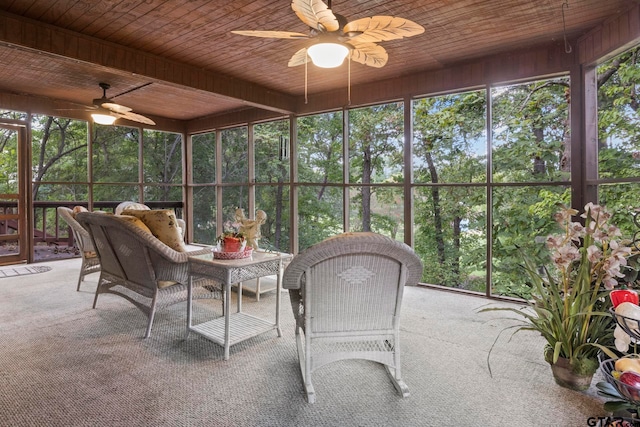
63 363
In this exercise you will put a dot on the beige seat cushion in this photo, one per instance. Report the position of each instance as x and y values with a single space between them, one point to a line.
166 283
90 254
135 221
163 224
77 209
130 205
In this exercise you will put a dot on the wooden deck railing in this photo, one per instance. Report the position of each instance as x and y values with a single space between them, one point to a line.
59 233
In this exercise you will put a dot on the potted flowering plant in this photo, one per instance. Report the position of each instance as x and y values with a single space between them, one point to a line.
569 304
231 240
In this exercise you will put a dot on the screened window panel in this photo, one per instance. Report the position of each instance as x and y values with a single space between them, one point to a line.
450 138
272 147
204 158
53 136
320 157
522 219
378 209
450 235
618 119
204 215
235 155
116 156
320 214
376 136
162 157
531 137
274 201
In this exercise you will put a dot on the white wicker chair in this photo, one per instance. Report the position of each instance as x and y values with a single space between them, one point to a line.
140 268
90 260
346 294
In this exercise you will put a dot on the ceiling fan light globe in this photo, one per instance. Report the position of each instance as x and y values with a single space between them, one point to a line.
103 119
328 55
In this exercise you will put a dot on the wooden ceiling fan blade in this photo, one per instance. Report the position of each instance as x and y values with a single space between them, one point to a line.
382 28
299 58
316 14
133 117
369 54
112 106
273 34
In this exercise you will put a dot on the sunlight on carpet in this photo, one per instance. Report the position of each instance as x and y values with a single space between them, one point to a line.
22 271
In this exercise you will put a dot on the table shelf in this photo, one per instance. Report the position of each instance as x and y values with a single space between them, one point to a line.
242 326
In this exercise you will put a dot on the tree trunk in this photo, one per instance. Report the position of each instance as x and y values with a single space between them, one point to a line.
437 214
366 190
539 165
457 231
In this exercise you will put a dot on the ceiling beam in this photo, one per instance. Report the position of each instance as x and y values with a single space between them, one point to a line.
27 33
535 62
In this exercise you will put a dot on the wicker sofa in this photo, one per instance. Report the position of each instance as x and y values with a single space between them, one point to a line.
139 267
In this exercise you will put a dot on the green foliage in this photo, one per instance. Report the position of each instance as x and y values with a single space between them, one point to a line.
59 155
162 165
115 145
272 169
204 198
8 161
618 119
320 160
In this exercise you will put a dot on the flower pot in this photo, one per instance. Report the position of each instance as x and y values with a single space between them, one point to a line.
232 244
565 377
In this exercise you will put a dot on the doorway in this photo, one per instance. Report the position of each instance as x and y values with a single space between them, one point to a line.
14 233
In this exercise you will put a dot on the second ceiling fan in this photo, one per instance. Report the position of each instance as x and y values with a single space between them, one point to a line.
107 108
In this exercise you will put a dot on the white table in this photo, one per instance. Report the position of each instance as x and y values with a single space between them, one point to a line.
233 328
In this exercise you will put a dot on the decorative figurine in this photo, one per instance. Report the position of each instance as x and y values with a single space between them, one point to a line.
251 227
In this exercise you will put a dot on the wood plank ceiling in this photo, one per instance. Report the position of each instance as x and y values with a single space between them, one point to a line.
177 59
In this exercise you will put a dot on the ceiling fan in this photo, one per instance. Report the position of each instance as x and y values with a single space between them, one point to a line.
105 111
337 38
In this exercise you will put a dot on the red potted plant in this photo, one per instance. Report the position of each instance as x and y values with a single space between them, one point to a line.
231 240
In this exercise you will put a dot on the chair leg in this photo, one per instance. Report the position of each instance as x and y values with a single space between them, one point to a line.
147 333
304 365
152 313
82 274
398 383
95 299
79 281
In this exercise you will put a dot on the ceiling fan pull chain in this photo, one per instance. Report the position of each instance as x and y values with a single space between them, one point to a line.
567 46
349 80
306 100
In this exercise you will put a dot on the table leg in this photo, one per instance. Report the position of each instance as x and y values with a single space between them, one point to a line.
189 306
239 297
278 297
227 314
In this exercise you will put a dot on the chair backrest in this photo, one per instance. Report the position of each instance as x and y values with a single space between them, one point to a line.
130 253
80 234
353 282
